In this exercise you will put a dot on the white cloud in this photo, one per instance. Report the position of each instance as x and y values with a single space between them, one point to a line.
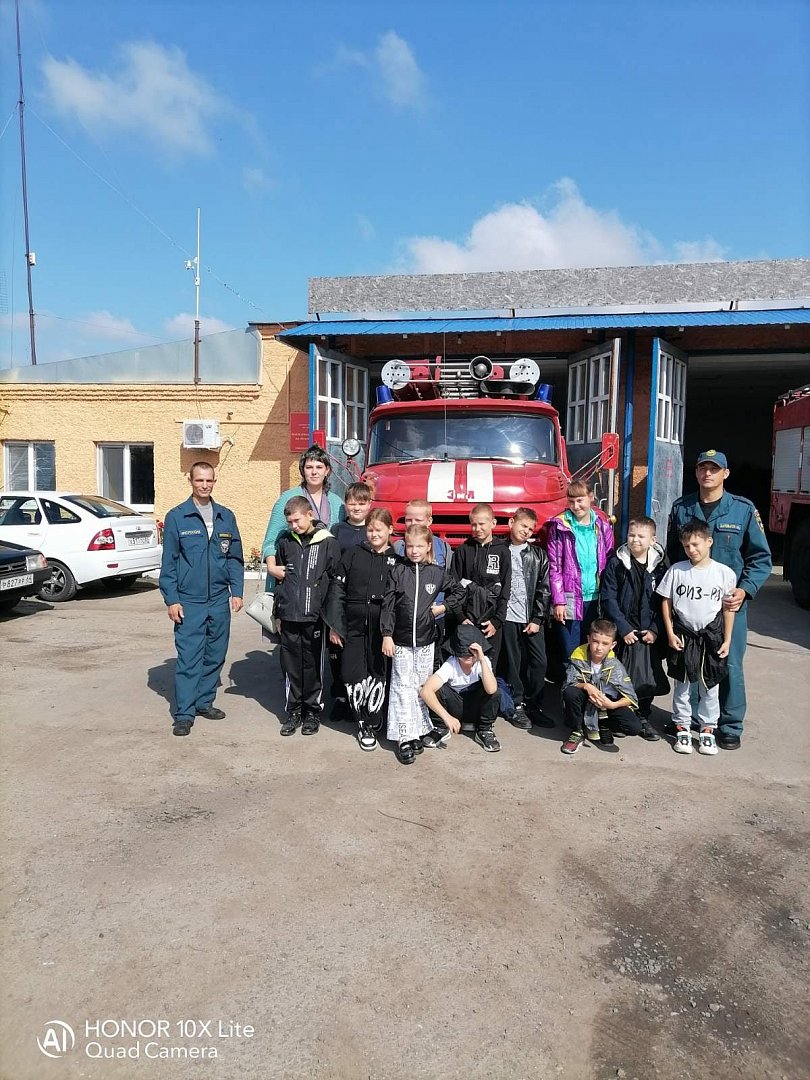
255 181
519 236
61 338
705 250
151 92
182 325
105 325
393 67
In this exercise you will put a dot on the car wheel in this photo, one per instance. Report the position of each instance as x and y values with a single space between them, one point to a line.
60 586
118 584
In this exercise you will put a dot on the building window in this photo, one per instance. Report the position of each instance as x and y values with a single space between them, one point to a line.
127 473
670 399
30 466
577 395
598 396
342 400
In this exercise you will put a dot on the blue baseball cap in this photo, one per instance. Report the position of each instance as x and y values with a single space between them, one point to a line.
716 457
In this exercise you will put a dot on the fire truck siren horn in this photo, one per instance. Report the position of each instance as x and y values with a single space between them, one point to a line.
525 371
480 367
395 374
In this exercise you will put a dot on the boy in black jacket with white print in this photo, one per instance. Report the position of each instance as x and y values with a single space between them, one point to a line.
483 567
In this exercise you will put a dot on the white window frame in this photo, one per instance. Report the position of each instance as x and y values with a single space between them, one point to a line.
670 401
127 446
577 401
599 395
31 484
344 416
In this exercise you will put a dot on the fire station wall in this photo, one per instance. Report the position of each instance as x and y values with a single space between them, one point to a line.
252 469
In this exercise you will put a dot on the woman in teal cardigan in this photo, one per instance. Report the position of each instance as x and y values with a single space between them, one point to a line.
315 470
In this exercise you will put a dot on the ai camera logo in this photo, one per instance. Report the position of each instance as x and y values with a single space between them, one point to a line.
59 1039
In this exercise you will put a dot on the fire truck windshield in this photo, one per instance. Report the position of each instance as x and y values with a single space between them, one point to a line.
467 435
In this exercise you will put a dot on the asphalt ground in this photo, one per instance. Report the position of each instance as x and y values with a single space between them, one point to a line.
303 909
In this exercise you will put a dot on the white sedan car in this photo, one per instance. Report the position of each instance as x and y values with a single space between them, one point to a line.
84 538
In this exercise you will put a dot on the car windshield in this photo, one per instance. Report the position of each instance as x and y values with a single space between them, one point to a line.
103 508
469 435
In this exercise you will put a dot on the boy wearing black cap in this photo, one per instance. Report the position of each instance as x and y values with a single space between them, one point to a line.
463 690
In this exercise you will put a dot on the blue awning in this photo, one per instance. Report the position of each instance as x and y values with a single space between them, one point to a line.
621 321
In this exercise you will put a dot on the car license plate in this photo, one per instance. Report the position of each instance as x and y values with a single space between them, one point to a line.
17 582
139 539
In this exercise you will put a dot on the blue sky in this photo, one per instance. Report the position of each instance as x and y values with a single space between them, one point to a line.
366 138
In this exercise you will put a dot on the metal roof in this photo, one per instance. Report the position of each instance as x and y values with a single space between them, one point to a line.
621 321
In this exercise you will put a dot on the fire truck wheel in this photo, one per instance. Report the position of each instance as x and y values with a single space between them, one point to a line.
800 565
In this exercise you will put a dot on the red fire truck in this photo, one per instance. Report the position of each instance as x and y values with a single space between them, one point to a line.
462 432
790 487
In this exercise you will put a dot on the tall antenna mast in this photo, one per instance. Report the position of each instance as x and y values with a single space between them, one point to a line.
194 264
30 257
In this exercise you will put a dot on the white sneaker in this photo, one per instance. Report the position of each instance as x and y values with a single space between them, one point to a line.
706 743
683 742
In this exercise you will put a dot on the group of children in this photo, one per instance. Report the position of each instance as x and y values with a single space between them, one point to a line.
429 640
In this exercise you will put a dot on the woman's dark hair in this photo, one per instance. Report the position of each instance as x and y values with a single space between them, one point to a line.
315 453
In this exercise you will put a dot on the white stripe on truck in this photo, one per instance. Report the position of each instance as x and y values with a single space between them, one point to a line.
441 482
480 484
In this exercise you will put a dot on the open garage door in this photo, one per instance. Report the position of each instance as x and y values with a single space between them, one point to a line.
667 420
592 409
339 407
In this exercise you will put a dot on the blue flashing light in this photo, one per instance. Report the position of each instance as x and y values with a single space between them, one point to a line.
384 395
543 392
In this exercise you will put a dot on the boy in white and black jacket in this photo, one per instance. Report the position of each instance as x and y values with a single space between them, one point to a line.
307 555
523 655
483 567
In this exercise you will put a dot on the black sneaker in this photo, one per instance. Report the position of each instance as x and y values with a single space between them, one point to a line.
648 733
311 725
182 727
520 718
486 738
436 739
366 738
539 718
606 736
211 712
290 724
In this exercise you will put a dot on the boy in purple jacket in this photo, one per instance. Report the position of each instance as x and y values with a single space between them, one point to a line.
579 546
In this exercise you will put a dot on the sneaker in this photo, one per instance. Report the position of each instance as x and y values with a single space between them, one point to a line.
417 746
593 735
436 739
706 743
211 712
573 742
406 753
520 718
310 726
182 727
539 718
290 724
648 733
683 741
486 738
606 737
366 737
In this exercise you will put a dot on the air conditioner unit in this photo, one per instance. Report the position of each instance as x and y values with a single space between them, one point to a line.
201 435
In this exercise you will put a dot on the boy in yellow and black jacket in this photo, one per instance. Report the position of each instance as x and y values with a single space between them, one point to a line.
307 555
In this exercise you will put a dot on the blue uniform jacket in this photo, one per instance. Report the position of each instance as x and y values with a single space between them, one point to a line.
194 568
739 538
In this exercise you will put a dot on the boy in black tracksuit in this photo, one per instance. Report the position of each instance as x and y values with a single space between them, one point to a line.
627 596
349 534
483 567
523 656
306 558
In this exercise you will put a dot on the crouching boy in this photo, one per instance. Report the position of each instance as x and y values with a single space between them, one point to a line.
463 691
598 696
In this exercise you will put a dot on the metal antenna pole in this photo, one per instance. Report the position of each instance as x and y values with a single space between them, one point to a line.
197 309
29 256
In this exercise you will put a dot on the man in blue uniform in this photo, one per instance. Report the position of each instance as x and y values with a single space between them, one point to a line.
738 542
202 581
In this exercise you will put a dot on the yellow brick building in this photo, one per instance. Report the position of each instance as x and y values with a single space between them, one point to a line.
86 412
